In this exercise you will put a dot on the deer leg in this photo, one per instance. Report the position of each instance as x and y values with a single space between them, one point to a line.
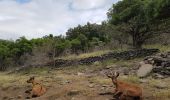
122 97
117 93
29 96
141 98
28 91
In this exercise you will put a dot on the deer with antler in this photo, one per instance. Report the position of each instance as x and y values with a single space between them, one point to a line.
123 89
37 88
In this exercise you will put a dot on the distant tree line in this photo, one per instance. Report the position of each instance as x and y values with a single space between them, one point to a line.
130 22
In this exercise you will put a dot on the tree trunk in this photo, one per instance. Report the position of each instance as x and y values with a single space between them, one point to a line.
54 58
137 44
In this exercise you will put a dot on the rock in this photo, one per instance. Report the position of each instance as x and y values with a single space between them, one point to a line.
130 54
161 85
73 92
105 85
144 70
19 96
91 85
142 63
150 61
111 66
143 81
126 71
158 76
102 88
80 74
96 63
11 98
161 66
91 82
66 81
73 98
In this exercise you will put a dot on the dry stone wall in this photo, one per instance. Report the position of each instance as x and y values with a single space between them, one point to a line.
126 55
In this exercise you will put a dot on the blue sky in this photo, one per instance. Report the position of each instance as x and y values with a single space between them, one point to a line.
37 18
23 1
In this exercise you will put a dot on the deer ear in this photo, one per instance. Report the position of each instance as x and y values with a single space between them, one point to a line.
33 77
116 74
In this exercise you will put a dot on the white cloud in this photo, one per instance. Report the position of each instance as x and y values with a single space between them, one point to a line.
89 4
36 18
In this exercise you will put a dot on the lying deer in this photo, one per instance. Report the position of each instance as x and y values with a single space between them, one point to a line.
125 90
37 89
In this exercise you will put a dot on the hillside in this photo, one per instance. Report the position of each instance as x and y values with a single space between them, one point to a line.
124 57
82 81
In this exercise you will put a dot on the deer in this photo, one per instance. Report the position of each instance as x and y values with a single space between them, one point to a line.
125 90
37 89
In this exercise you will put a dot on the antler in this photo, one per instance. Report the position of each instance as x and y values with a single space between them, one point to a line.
109 74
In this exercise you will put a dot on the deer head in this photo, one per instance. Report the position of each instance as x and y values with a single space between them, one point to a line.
31 80
112 75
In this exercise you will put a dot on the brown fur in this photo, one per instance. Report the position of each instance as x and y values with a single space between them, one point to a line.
37 89
125 90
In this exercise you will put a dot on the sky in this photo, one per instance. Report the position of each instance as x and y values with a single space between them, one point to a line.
37 18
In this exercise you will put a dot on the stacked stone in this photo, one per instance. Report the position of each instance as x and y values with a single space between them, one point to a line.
160 62
112 55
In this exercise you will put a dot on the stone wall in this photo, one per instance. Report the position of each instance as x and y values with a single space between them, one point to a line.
160 63
126 55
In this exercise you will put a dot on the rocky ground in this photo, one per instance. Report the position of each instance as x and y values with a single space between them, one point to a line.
87 82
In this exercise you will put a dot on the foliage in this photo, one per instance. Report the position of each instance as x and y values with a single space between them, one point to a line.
138 17
88 34
76 44
62 45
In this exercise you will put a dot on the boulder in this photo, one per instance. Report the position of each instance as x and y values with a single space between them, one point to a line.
144 70
159 64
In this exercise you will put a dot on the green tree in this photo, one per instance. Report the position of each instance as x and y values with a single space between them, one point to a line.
129 16
76 45
84 42
86 33
23 46
61 46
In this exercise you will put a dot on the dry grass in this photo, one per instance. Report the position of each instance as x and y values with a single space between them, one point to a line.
131 79
162 95
100 80
162 48
81 83
57 79
86 55
8 80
